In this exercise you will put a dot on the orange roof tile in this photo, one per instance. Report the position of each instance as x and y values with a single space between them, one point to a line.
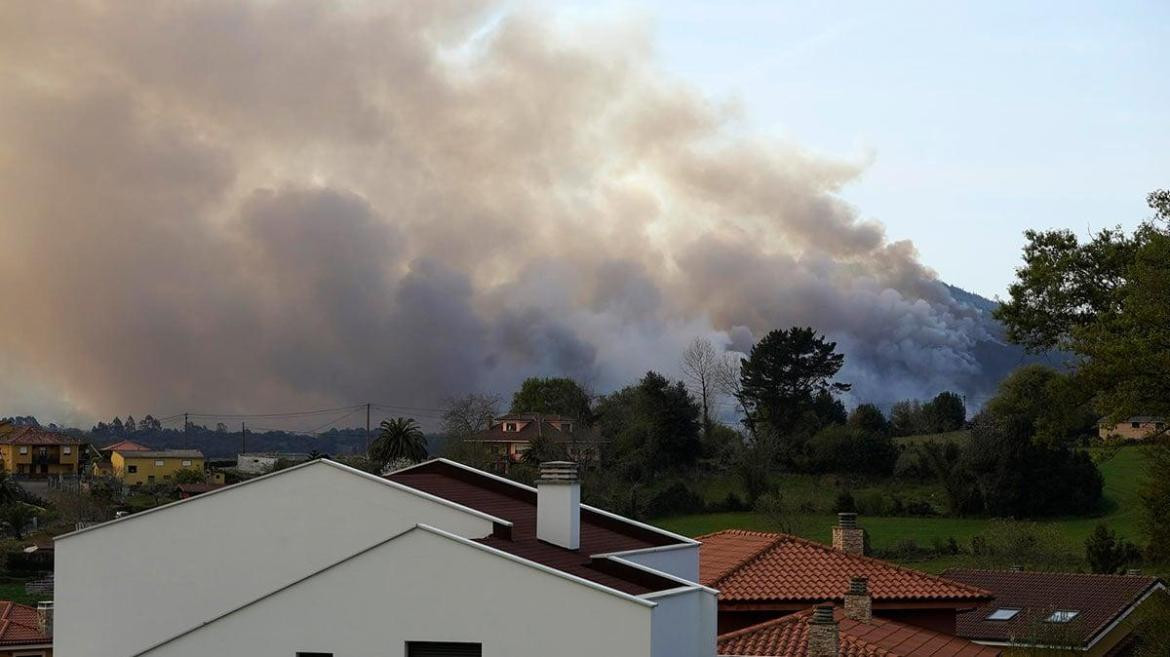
29 435
762 566
125 446
788 637
19 626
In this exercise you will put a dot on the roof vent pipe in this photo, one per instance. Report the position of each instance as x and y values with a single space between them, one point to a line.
558 505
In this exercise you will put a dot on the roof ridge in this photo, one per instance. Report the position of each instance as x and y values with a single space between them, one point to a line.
756 556
888 564
1050 572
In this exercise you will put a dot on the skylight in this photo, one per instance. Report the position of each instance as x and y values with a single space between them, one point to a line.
1062 616
1003 614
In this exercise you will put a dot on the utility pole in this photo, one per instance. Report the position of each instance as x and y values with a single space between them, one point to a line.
186 425
367 430
243 437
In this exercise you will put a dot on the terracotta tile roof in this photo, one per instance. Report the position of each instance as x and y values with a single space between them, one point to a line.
536 425
162 454
18 625
600 533
26 435
1098 600
761 566
788 637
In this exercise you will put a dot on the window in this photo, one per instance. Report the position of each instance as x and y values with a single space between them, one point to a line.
159 463
510 426
442 649
1003 614
150 478
314 654
132 469
1135 425
1061 616
186 463
67 450
566 426
24 450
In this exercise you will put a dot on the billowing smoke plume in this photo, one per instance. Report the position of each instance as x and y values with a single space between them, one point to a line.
278 205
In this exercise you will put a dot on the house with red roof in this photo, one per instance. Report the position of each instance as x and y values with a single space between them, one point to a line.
26 631
436 559
849 630
762 576
33 451
509 437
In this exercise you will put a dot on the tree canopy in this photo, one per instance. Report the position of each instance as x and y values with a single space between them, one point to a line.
787 374
553 396
653 426
399 438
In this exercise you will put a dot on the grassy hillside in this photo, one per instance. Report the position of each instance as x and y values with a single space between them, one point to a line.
1123 470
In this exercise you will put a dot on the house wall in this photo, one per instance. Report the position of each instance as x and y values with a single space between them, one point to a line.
26 652
147 468
200 557
684 624
14 462
255 464
1126 430
680 561
425 587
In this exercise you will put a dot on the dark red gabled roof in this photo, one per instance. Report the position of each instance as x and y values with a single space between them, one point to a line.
788 637
29 435
515 503
748 566
1099 600
19 625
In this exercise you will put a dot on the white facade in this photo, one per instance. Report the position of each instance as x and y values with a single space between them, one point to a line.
324 558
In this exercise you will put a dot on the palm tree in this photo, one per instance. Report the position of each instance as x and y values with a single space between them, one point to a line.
400 438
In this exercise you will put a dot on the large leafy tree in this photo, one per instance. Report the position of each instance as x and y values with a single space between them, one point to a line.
653 426
788 374
553 396
399 438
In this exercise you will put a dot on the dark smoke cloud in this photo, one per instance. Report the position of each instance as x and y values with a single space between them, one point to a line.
272 205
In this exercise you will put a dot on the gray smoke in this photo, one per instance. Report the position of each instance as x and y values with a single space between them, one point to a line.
278 205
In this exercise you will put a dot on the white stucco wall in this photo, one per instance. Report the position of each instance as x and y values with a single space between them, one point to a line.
125 586
684 623
679 560
426 587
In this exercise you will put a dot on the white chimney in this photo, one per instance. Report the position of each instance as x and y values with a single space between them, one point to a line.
558 504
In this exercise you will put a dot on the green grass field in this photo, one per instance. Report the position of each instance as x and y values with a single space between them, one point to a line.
1123 471
14 591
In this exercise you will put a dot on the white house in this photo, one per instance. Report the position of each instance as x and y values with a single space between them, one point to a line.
439 559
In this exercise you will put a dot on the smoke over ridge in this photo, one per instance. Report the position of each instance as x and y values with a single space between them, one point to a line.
274 205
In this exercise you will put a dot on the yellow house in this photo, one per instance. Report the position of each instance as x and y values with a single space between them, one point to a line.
37 452
146 467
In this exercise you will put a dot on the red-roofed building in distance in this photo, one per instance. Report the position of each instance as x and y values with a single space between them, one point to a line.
509 436
33 451
26 631
761 576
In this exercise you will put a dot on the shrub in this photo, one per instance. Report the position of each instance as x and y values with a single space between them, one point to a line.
845 503
731 503
845 449
674 499
1106 553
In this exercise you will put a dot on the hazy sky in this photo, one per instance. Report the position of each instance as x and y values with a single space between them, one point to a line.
981 118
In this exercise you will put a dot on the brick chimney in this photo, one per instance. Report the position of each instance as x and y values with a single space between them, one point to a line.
823 636
847 536
858 602
558 504
45 617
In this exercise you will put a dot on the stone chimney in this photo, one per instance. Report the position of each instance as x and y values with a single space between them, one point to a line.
823 636
847 536
45 617
558 504
858 602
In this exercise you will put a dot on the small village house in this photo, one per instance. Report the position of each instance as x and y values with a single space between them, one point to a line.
136 466
509 437
32 451
265 462
1138 427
